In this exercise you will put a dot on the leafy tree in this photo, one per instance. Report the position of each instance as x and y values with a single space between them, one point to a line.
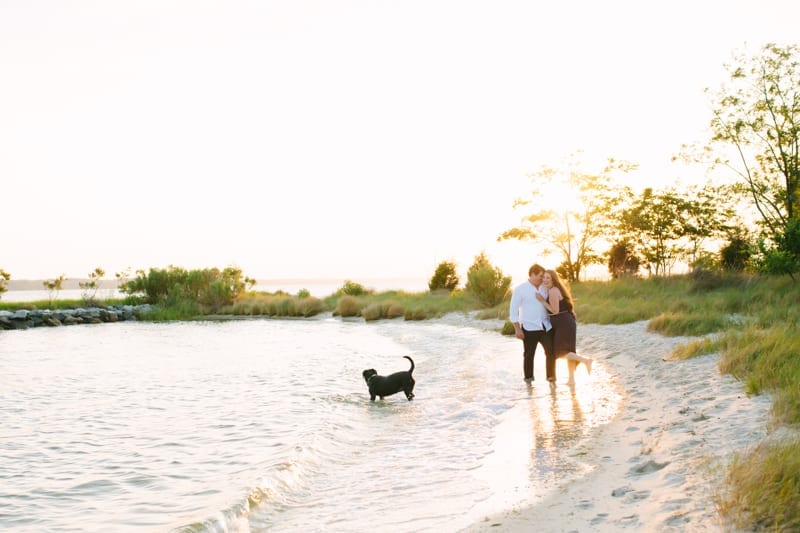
4 277
444 277
757 114
622 262
53 287
487 282
707 214
654 222
570 212
90 287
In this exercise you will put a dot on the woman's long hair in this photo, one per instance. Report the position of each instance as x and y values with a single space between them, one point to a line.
565 292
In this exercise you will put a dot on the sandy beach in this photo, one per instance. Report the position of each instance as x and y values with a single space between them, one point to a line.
657 465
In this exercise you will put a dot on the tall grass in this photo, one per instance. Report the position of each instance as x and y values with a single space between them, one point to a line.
752 322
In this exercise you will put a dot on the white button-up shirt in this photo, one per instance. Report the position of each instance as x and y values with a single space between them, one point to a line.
527 310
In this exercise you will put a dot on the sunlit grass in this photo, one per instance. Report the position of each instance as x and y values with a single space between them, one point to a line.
762 490
752 322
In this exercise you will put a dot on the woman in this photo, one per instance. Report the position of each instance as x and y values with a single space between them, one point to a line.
562 317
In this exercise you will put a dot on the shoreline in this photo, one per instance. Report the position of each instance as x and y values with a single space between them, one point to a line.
657 464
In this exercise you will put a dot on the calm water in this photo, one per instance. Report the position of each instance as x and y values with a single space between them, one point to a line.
318 288
266 425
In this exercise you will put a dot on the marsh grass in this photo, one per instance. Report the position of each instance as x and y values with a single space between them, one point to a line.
762 492
752 322
64 304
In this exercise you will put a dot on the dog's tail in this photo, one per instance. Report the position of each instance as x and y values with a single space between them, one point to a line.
410 370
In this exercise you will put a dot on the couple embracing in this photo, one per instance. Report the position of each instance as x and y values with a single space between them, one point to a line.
542 313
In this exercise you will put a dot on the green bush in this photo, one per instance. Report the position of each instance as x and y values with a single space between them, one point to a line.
351 288
487 282
210 288
348 306
444 277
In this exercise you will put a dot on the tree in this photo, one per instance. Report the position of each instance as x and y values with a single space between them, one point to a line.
4 277
444 277
622 262
53 287
654 222
487 282
90 287
571 212
757 114
707 214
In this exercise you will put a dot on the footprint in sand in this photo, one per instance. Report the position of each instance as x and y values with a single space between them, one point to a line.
622 491
647 468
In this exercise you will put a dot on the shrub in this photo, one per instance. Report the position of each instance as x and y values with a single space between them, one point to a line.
211 288
394 310
487 282
444 277
371 312
351 288
735 255
4 276
90 287
348 306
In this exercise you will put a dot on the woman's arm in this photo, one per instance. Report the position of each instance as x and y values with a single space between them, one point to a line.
554 295
551 303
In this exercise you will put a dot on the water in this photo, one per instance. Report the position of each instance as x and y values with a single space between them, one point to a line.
266 425
315 287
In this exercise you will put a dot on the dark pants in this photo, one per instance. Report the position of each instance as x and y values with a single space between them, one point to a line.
532 338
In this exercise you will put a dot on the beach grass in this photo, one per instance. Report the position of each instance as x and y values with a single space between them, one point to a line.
762 492
751 321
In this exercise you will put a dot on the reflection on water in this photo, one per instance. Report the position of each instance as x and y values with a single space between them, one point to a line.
546 428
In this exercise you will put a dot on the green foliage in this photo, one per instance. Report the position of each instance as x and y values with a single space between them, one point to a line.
784 258
53 287
303 293
210 288
622 261
4 277
444 277
351 288
735 255
757 114
90 287
487 282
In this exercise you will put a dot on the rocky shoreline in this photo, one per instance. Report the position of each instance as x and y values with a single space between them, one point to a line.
24 318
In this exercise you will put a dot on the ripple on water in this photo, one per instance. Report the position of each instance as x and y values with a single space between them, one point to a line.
249 424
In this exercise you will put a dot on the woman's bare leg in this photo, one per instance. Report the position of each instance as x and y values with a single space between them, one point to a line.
573 357
572 364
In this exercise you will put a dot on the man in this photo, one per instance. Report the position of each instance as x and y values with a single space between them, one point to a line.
531 322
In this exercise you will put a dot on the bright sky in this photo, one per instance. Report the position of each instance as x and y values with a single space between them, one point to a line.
335 139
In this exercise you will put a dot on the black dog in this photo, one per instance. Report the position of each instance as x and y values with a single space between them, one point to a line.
391 384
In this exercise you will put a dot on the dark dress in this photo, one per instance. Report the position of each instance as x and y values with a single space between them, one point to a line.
564 329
